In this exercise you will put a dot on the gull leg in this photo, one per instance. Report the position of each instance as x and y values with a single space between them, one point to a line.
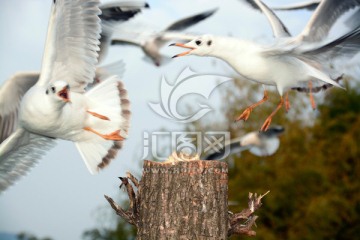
267 122
245 115
287 102
115 136
313 105
98 115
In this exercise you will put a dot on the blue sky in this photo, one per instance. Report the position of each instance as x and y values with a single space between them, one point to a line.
59 198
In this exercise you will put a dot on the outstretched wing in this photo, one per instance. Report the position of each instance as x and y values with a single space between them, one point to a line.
72 43
113 14
123 41
184 23
11 94
19 153
278 27
121 11
324 17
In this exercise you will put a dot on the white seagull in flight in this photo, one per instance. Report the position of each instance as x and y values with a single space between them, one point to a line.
57 106
289 62
260 144
151 43
12 91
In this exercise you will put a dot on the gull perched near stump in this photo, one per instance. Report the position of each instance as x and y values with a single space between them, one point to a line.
289 63
57 106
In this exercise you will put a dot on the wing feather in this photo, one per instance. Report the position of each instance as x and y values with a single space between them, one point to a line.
324 17
72 43
19 153
11 94
278 27
184 23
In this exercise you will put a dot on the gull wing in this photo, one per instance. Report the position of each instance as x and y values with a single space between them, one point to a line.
347 45
309 5
278 27
165 37
184 23
234 148
123 41
113 14
121 11
11 94
324 17
19 153
72 43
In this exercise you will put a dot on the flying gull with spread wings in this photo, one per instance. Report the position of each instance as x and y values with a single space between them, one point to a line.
57 106
290 62
260 144
12 91
152 43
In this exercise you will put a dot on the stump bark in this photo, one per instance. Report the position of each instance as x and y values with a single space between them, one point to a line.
187 200
184 200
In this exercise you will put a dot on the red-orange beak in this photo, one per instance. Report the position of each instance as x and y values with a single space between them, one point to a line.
183 46
64 94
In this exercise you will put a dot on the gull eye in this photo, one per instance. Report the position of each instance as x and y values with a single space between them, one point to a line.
209 43
53 89
198 42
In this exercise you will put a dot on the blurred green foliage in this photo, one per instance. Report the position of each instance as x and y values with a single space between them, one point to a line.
313 178
29 236
123 231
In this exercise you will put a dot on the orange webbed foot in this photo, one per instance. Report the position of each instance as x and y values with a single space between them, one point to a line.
245 115
114 136
266 124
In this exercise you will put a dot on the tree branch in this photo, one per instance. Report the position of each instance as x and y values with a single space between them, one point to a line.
237 224
121 212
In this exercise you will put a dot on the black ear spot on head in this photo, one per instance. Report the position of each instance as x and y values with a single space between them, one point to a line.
198 42
47 92
209 43
53 89
54 1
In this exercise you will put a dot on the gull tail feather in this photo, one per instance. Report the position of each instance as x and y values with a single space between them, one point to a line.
313 72
108 98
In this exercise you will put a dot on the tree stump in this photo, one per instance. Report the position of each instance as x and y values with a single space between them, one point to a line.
191 197
184 200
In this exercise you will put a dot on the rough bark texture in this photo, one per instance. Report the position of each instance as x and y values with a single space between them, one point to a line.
184 200
191 197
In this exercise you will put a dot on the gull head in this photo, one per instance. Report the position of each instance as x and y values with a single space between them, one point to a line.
59 90
200 46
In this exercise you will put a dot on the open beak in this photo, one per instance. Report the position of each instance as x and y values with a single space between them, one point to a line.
64 94
183 46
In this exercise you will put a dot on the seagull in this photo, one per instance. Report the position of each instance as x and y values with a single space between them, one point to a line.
152 43
288 63
260 144
11 93
57 105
